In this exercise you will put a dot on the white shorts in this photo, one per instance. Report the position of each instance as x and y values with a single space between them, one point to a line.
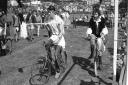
56 40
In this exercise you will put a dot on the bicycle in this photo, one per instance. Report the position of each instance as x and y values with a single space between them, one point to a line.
43 75
97 58
45 69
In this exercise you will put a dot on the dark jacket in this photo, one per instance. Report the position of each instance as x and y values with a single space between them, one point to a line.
20 15
28 17
33 19
96 30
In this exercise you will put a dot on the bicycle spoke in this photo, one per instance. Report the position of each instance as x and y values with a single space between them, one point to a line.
39 79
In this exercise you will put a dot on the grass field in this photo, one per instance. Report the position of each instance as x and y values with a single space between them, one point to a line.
26 53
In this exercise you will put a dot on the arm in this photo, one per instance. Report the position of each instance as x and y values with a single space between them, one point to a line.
104 30
61 29
89 30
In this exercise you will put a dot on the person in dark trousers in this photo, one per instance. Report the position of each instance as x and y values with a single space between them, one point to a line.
20 15
56 39
31 18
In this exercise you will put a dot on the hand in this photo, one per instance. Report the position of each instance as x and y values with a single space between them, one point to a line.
60 36
89 36
102 35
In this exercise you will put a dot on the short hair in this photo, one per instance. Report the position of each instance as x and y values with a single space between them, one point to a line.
51 8
97 11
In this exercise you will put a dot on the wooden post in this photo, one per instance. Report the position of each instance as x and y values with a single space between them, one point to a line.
115 42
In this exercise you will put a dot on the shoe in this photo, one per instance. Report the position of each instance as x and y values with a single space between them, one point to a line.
57 75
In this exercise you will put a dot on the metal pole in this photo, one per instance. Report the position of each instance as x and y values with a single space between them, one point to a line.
115 42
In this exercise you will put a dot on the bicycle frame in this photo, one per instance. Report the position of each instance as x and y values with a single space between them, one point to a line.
96 57
45 70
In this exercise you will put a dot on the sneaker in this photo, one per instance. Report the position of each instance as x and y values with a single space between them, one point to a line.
57 75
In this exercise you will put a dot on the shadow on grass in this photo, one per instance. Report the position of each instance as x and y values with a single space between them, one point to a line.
76 60
87 65
84 64
94 83
101 80
118 72
86 83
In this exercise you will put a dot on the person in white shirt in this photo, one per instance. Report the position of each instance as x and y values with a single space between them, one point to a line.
56 39
97 29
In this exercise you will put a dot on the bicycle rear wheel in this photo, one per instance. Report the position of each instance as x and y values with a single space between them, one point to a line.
39 79
39 75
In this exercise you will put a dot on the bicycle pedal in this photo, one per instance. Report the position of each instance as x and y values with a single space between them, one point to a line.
39 79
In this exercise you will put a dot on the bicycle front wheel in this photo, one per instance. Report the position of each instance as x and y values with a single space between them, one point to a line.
39 79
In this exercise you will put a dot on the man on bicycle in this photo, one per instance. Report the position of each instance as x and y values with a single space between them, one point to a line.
97 29
56 38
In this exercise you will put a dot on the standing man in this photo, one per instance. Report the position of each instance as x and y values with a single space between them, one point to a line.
2 32
38 20
56 39
31 18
